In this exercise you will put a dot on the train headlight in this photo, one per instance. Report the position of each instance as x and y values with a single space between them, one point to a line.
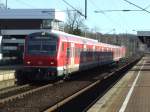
28 62
52 63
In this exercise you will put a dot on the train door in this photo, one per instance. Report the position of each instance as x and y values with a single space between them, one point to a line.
72 58
84 51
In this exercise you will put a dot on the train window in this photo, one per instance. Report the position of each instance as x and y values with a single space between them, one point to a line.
42 47
79 51
76 52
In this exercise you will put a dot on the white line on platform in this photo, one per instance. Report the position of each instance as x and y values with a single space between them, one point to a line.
124 105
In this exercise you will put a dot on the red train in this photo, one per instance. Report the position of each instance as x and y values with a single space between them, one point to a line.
48 55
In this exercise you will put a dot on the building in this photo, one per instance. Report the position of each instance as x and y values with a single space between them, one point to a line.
15 24
144 36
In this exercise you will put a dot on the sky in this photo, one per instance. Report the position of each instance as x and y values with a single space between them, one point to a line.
107 22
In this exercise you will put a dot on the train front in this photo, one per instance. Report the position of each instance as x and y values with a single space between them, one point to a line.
40 56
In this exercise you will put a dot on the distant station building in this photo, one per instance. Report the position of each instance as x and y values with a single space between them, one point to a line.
15 24
144 36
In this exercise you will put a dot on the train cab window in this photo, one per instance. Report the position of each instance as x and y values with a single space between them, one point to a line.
40 46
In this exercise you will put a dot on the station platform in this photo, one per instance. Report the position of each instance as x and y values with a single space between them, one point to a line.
130 94
7 72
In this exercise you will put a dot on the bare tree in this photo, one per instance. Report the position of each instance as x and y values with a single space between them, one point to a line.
74 22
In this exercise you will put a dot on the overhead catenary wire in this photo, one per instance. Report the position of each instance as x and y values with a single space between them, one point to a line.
43 11
147 7
73 8
111 20
125 10
112 10
137 6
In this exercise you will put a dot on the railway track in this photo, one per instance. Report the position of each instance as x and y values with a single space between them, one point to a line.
6 88
14 90
83 99
53 96
17 92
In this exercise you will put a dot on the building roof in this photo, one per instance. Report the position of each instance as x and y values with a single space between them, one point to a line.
32 14
143 33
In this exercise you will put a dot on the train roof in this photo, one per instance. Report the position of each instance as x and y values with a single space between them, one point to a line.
73 36
88 40
78 39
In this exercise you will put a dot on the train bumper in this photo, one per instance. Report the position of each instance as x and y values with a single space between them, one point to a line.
46 73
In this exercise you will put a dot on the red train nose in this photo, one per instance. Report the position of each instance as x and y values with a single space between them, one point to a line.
39 61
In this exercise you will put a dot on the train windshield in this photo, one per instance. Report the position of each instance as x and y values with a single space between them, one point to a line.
42 46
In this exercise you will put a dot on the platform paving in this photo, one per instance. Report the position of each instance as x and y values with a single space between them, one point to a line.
130 94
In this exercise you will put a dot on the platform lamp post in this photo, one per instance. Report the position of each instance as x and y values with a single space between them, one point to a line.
6 3
135 42
96 36
114 36
85 31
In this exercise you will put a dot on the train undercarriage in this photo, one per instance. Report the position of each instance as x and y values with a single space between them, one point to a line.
28 75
